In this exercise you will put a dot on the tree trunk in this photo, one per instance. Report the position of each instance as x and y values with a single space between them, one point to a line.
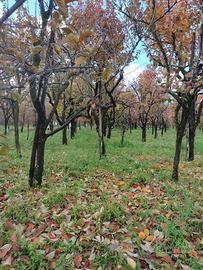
5 126
73 129
37 156
22 123
180 130
102 149
152 128
15 108
144 133
192 129
28 130
109 132
64 136
130 121
165 127
51 125
155 131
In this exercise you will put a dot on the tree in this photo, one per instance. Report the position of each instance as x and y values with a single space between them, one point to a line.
148 92
174 41
7 112
109 59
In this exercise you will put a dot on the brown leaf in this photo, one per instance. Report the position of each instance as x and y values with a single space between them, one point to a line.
4 250
30 227
8 261
168 260
77 261
38 231
9 225
14 237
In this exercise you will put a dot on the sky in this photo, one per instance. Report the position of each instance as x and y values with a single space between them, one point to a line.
130 73
138 65
0 9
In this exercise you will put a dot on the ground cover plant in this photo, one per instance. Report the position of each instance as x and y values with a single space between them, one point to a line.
101 123
121 212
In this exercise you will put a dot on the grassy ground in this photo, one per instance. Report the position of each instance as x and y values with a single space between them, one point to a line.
102 214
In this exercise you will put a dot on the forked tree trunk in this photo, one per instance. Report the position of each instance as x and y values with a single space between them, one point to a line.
180 130
37 156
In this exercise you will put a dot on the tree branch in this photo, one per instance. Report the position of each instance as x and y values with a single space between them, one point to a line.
11 11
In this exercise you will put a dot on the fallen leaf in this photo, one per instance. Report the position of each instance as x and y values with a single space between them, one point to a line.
142 235
38 231
168 260
194 253
8 261
14 237
50 255
9 225
77 261
146 231
147 247
185 267
150 238
4 250
131 263
121 183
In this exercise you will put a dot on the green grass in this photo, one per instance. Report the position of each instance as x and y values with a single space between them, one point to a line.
97 202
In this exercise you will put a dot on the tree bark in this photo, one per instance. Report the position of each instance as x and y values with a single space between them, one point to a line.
28 130
22 123
180 130
155 131
37 156
109 132
64 136
192 129
152 127
73 128
102 149
15 108
144 133
5 126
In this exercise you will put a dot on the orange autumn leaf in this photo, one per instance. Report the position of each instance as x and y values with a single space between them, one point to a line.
142 236
194 253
